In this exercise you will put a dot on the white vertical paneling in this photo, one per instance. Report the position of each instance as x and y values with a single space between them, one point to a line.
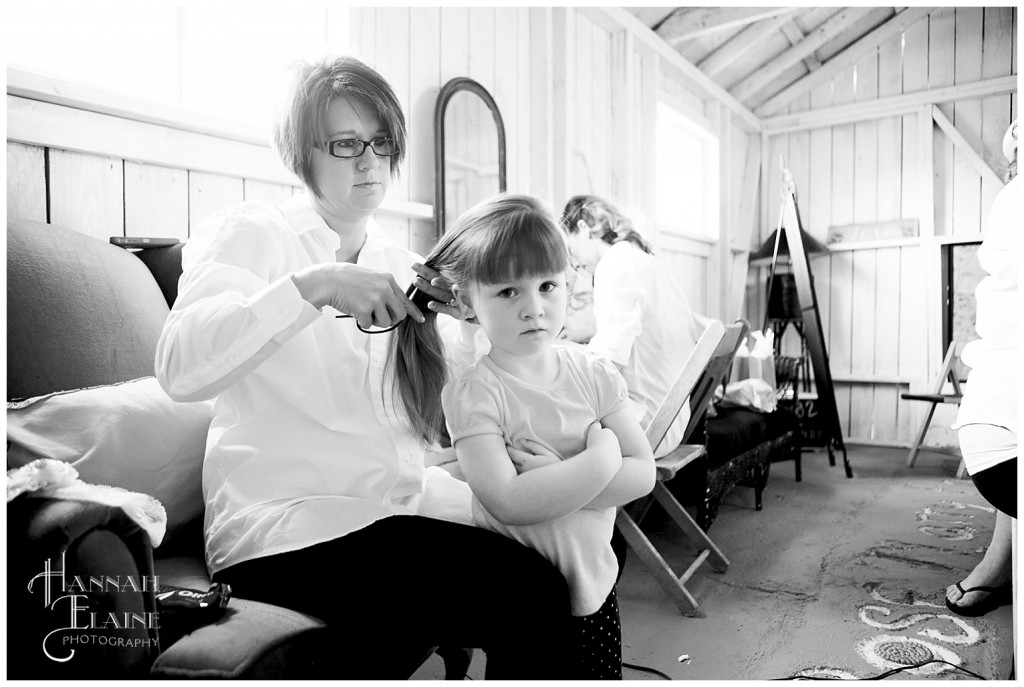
87 193
454 42
819 207
563 105
912 326
481 46
521 140
620 112
391 48
842 277
865 209
581 105
941 32
210 193
396 227
155 201
915 78
888 182
364 34
885 346
995 110
967 118
865 189
424 85
600 137
506 86
26 182
541 96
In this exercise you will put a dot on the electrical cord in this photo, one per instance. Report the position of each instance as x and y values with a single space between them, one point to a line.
889 673
646 669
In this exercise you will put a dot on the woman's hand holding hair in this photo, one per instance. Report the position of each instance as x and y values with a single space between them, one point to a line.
373 298
430 281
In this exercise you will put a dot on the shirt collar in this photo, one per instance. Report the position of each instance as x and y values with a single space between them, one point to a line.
302 217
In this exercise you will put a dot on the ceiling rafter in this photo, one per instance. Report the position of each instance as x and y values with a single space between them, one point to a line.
685 24
774 68
653 16
794 35
847 57
736 47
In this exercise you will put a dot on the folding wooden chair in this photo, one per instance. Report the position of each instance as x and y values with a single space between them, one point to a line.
936 396
705 369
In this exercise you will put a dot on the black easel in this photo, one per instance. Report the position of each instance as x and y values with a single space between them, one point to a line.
814 336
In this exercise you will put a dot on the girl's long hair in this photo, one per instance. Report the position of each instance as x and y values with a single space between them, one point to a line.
598 212
502 239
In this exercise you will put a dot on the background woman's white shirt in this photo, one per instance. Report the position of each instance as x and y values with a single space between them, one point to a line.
304 447
991 394
645 325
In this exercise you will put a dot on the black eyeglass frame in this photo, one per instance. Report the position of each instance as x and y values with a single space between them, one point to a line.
329 147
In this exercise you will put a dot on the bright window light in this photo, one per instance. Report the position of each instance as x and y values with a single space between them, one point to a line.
222 60
687 175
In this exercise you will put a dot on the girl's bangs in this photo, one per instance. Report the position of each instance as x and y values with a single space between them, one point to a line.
515 250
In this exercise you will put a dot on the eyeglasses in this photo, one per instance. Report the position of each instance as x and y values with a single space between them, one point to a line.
353 147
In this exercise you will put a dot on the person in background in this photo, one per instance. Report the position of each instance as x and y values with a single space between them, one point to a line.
643 320
987 418
317 498
544 434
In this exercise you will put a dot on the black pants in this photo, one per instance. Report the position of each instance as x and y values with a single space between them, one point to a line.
998 484
408 581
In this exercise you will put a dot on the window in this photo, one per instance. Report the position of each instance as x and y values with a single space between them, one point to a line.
221 60
686 176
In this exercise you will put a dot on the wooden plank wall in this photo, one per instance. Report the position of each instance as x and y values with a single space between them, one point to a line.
107 196
569 83
879 305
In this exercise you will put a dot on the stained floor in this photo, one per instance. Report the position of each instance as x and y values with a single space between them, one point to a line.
835 577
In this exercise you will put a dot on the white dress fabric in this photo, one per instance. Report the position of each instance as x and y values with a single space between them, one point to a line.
991 395
646 327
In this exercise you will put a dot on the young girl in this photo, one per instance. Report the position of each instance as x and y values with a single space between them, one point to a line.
544 435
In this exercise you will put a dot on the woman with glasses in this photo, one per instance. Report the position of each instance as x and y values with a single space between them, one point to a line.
317 498
642 318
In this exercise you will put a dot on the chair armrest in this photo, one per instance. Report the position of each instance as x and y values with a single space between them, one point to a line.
58 547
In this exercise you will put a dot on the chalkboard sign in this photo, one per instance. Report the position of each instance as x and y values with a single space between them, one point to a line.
826 411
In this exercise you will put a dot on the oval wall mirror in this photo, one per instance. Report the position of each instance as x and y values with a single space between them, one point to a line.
469 150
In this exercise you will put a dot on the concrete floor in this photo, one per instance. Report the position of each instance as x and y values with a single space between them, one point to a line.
835 577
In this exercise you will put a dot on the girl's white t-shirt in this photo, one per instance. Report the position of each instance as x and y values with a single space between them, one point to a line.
488 400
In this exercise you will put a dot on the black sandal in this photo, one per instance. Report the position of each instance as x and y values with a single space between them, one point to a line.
996 596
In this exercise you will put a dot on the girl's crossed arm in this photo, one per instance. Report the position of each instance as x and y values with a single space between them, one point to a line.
634 479
538 495
636 476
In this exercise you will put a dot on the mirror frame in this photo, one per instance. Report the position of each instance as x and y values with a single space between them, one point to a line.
454 86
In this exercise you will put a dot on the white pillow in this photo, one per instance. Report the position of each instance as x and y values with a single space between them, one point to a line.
129 435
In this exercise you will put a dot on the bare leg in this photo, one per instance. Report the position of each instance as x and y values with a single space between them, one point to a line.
995 568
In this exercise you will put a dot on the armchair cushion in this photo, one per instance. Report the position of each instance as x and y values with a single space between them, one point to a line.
129 435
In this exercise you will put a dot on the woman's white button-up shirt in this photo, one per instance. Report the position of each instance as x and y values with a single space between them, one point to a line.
304 446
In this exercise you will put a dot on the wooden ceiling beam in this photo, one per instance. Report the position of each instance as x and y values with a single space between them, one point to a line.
794 35
774 68
685 24
652 16
739 45
869 42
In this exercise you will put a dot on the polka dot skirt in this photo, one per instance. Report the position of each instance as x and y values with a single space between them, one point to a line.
599 642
